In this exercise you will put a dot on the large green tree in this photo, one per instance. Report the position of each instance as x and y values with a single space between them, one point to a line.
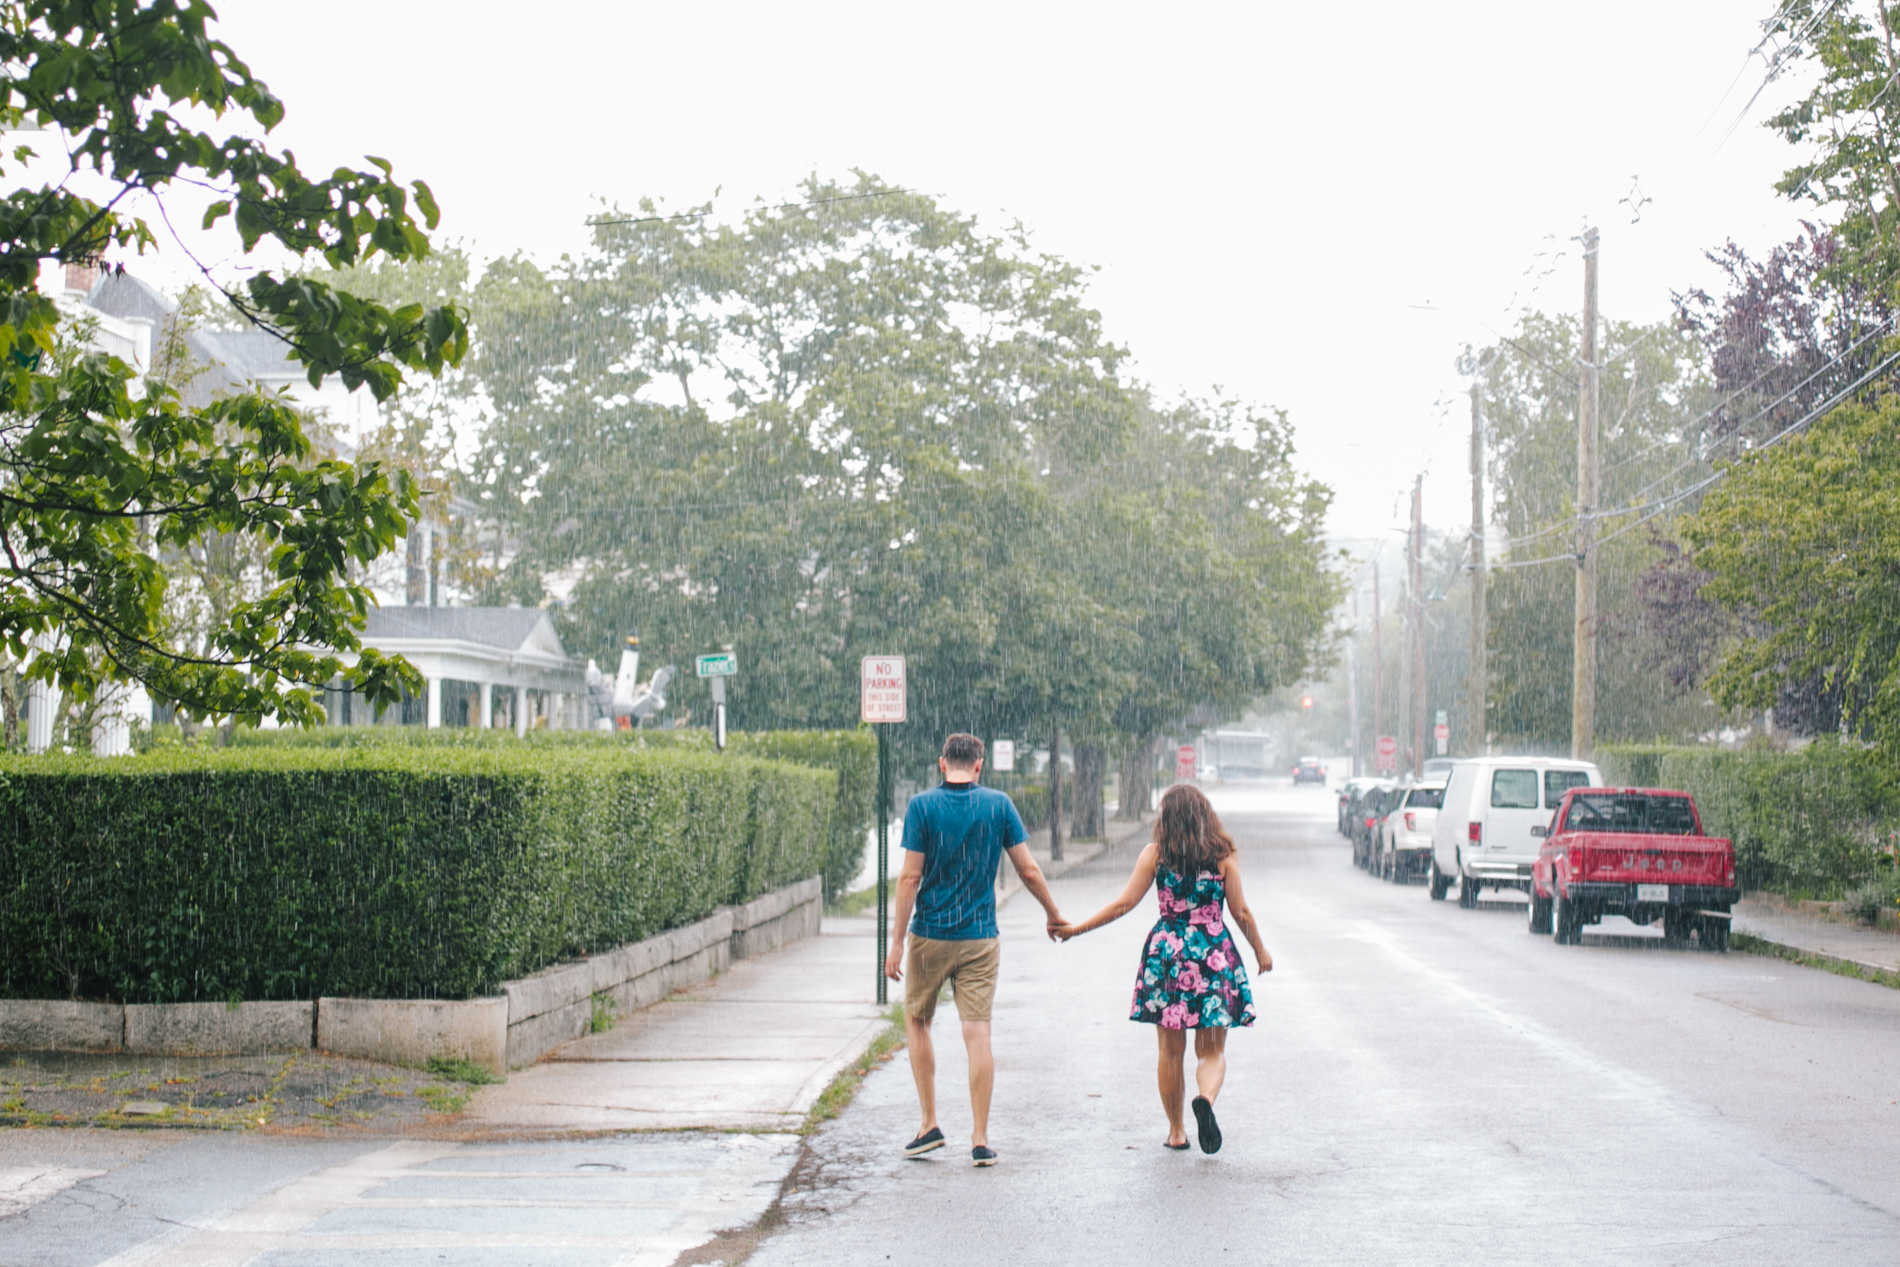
1848 125
100 476
865 425
1803 541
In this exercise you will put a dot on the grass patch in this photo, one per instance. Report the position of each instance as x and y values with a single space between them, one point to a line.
1827 963
838 1096
441 1099
460 1069
857 903
604 1014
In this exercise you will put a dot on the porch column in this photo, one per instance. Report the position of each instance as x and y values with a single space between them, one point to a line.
41 699
521 711
557 711
488 706
435 704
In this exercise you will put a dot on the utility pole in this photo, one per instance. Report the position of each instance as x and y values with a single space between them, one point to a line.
1583 686
1476 689
1055 794
1417 585
1378 657
1352 678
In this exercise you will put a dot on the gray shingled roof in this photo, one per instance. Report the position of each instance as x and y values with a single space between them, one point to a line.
232 358
507 627
123 295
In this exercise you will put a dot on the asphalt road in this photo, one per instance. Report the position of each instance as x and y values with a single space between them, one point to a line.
1426 1085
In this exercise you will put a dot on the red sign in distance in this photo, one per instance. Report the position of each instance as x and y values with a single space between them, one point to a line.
881 693
1184 761
1387 750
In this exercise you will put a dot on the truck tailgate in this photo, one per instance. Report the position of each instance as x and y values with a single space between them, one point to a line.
1634 859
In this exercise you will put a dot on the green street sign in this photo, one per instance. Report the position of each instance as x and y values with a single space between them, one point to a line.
725 664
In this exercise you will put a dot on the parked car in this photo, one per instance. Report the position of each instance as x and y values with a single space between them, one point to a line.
1635 852
1406 839
1309 770
1373 805
1349 793
1488 830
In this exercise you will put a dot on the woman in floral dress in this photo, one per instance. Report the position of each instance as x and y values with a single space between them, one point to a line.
1191 976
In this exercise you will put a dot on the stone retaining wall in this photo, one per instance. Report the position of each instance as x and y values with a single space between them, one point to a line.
528 1019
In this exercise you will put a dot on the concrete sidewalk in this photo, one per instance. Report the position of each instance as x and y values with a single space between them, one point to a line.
1796 930
1074 853
750 1050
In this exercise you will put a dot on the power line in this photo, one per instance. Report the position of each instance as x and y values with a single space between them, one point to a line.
1764 411
1657 507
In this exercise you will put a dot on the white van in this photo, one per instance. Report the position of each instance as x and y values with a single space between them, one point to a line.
1495 812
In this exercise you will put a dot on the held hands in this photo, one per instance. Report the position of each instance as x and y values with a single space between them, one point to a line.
1054 927
1060 931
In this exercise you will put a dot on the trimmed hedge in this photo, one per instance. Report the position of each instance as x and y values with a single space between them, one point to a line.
1814 822
851 754
391 871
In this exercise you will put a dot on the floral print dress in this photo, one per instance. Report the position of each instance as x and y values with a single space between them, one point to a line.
1191 975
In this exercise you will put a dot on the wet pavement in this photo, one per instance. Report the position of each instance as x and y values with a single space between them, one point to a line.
1427 1085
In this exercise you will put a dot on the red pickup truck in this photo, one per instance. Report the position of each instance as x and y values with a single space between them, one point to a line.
1635 852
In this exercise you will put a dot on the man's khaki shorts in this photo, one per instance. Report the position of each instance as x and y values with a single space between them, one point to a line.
969 966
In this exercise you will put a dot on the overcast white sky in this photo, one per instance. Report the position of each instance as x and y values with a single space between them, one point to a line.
1270 191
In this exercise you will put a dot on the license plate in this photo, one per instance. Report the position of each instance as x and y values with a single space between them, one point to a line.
1652 893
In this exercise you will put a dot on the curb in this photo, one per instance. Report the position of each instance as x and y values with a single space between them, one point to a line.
1755 944
524 1020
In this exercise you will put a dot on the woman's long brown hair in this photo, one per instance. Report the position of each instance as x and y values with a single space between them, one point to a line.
1189 833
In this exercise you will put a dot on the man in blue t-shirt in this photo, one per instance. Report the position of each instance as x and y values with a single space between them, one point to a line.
955 836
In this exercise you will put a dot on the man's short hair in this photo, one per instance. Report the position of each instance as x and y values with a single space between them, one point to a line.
962 751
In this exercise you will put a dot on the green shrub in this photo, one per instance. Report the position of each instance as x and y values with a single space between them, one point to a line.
1870 899
385 870
1811 821
851 754
1032 804
1632 765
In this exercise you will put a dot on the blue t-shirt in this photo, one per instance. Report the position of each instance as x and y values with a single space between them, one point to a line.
961 829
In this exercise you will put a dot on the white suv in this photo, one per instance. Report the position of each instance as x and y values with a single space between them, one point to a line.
1494 814
1406 837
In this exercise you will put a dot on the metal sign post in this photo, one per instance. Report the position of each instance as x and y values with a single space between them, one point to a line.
719 667
881 703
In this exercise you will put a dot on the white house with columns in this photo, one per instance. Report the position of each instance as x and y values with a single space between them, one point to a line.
488 667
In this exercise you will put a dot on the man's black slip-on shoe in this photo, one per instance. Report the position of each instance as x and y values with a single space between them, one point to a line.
1210 1129
932 1138
981 1156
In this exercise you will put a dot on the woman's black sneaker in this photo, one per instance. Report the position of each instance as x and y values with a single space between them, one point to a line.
981 1156
932 1138
1210 1129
